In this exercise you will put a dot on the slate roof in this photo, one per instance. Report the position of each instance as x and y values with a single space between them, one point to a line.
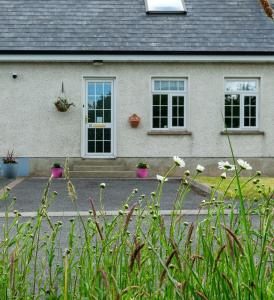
102 26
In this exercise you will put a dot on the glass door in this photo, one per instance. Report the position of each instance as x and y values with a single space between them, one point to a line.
99 118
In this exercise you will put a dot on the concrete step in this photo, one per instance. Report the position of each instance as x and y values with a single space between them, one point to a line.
99 168
99 162
102 174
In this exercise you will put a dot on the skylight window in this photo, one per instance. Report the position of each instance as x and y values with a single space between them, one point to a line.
165 6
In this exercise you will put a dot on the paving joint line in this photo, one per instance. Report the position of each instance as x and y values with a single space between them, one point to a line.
12 185
184 212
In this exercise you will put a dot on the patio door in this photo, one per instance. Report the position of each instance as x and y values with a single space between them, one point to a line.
99 129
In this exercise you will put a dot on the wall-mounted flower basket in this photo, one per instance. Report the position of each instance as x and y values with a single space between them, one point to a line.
62 104
134 120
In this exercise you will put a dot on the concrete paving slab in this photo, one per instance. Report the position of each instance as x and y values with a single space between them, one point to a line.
29 192
4 182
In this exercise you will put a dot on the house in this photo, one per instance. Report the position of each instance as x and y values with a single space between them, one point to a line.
183 67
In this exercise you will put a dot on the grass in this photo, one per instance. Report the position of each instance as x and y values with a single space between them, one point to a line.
251 190
138 254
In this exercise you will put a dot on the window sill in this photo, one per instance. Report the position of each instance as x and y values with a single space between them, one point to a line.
169 132
242 132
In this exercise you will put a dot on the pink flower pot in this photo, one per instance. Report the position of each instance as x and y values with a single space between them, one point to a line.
57 172
142 173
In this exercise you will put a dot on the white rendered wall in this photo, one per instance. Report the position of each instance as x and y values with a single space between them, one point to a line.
30 125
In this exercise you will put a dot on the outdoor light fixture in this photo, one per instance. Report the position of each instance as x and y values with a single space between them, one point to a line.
14 75
98 62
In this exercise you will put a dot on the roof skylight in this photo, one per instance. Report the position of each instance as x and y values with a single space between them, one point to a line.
165 6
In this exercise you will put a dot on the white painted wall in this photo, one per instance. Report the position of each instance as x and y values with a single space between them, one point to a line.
30 125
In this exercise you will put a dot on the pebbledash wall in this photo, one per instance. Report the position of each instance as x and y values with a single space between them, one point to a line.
31 126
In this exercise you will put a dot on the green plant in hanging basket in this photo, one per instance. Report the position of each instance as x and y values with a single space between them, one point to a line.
62 104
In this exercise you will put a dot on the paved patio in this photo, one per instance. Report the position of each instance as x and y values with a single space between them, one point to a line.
29 192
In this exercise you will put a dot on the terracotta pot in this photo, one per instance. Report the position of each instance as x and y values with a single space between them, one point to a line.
142 173
134 120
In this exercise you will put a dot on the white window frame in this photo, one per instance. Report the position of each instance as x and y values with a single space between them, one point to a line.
170 94
242 95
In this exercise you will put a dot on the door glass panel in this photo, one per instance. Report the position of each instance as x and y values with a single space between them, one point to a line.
107 132
91 146
99 107
107 116
99 147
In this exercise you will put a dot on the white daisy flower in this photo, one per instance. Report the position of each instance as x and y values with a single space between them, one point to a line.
244 165
200 168
102 185
161 178
223 175
225 165
179 161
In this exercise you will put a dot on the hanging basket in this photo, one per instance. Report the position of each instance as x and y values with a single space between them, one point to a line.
134 120
62 104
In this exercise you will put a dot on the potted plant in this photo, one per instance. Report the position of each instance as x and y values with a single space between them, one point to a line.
57 170
142 170
62 104
10 166
134 120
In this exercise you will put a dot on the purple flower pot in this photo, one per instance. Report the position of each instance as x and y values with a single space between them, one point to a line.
142 173
57 172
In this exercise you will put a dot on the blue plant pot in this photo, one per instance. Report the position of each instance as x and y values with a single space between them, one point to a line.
10 171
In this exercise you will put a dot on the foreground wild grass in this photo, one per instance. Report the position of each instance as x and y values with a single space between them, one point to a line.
251 188
219 257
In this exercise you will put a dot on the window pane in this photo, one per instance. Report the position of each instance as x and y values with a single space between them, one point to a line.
240 85
99 134
175 111
107 116
228 111
174 100
107 147
253 122
181 85
173 85
165 6
107 132
253 100
181 111
91 88
157 85
175 122
107 102
253 111
99 147
91 102
236 111
91 147
235 122
164 99
181 101
228 122
164 110
181 122
163 122
156 99
91 134
156 123
164 85
107 88
156 111
91 116
99 88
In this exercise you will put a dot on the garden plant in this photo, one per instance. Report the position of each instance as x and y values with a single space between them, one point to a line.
139 254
